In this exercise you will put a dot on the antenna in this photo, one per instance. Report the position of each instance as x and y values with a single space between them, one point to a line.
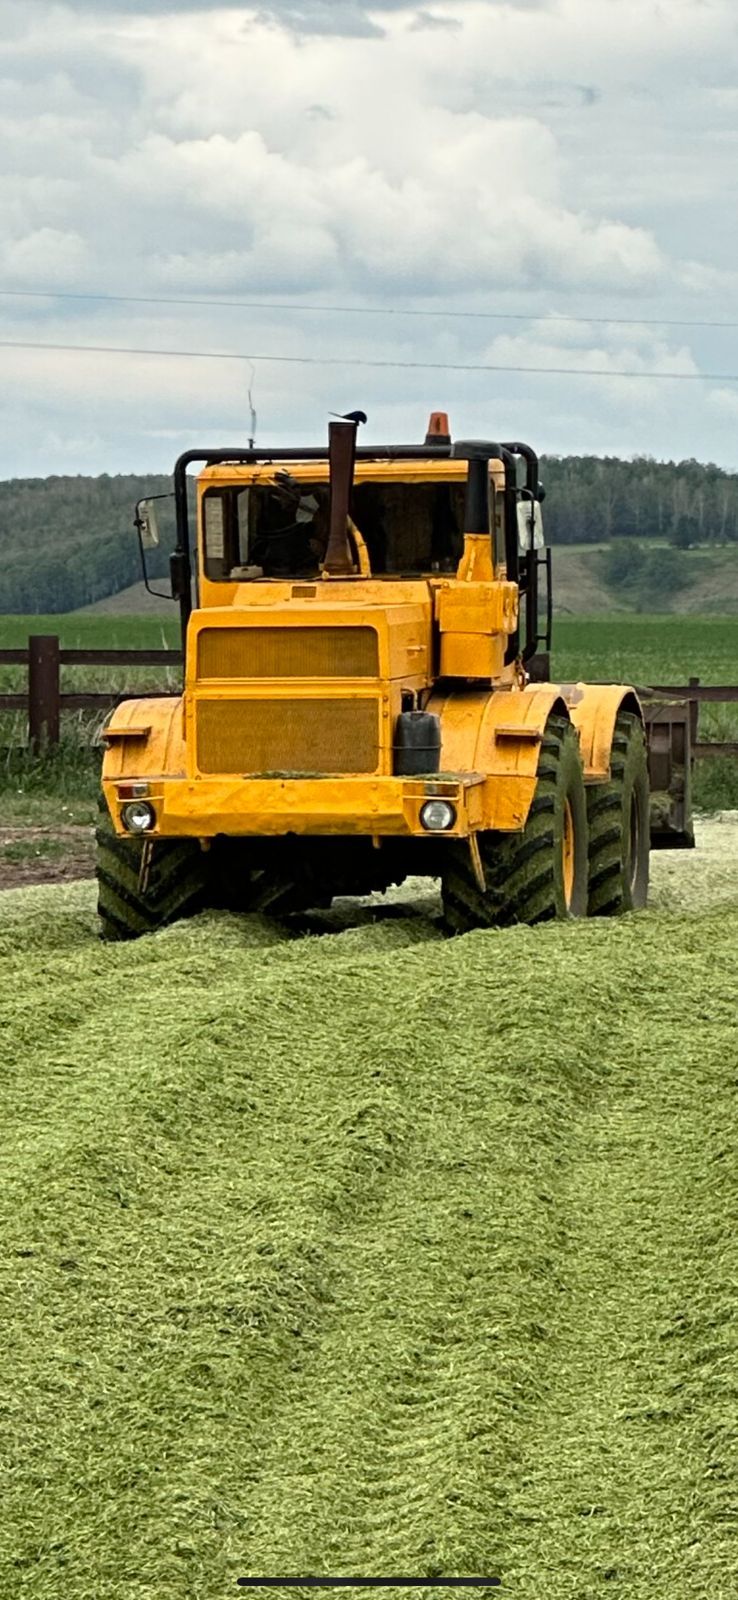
252 410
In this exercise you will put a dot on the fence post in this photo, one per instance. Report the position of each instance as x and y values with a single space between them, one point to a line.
43 690
694 712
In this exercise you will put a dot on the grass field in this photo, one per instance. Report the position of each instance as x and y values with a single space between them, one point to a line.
649 649
371 1253
622 648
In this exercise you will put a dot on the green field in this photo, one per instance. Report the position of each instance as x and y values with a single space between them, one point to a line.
637 649
94 632
371 1253
646 649
649 649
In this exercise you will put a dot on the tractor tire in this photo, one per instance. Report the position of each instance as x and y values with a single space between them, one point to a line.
536 875
619 828
144 884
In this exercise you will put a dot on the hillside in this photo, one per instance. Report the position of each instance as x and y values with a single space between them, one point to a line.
134 601
579 587
68 543
710 584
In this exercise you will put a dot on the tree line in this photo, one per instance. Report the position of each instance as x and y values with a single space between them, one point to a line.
66 542
593 499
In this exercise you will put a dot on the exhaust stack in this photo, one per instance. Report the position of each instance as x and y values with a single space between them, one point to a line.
341 457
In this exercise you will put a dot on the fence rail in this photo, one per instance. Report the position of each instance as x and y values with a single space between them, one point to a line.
44 700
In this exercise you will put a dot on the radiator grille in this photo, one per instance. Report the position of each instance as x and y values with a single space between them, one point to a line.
287 736
288 653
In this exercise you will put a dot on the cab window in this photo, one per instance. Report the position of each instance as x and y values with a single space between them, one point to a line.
280 529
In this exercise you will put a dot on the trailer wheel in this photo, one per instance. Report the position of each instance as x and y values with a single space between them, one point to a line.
618 814
536 875
143 884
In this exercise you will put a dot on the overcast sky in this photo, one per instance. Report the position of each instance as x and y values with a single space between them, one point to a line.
538 157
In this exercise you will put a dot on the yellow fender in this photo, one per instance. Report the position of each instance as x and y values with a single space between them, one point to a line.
497 733
594 709
145 739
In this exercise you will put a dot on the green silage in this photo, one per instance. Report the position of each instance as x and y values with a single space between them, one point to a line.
372 1252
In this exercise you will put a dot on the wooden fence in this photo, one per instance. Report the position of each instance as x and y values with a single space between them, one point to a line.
43 700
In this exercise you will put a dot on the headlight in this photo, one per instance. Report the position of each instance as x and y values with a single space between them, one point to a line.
437 816
138 817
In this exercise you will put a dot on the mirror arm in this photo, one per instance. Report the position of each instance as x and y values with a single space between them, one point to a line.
138 525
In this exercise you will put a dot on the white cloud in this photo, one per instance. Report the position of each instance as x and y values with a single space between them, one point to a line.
48 257
451 152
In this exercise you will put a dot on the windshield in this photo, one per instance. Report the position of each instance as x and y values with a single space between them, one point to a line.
280 529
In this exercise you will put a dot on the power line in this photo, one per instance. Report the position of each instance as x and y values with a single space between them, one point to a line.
362 361
363 311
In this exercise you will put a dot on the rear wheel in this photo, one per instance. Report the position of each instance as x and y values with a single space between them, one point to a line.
143 884
618 814
540 873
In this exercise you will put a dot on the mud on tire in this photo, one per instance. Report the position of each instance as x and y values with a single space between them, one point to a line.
145 884
525 872
618 815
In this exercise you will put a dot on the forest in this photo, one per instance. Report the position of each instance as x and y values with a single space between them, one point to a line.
66 542
590 499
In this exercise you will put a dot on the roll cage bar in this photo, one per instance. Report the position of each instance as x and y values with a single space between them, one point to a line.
478 453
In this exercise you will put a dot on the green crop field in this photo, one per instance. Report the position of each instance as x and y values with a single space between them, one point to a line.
641 649
93 632
371 1253
646 649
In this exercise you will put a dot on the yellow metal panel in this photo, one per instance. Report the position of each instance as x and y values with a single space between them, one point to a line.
448 471
471 655
287 736
160 748
477 607
280 652
474 620
399 632
373 806
593 708
469 719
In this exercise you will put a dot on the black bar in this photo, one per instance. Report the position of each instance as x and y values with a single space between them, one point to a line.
549 599
532 636
516 447
512 557
531 463
476 509
341 457
369 1583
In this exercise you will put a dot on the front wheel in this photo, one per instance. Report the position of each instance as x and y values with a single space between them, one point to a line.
539 874
144 884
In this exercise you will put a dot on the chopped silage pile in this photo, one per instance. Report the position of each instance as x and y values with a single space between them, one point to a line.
372 1253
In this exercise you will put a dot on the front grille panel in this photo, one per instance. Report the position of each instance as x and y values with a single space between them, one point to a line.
250 652
290 737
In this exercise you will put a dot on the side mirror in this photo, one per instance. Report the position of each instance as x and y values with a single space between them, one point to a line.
530 526
147 524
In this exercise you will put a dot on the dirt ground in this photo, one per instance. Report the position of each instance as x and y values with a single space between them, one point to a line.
30 855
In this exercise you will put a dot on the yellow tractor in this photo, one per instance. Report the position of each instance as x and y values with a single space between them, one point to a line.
360 701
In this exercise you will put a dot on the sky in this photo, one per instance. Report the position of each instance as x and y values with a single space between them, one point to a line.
387 197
